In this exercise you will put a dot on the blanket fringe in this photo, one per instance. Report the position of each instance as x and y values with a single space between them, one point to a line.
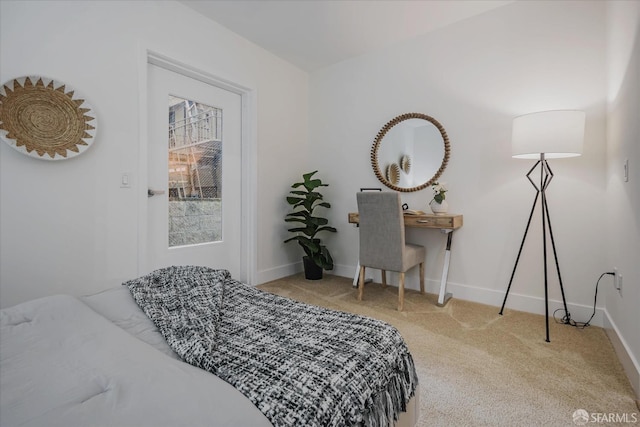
387 404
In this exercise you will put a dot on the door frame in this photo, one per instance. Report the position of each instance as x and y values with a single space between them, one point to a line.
247 214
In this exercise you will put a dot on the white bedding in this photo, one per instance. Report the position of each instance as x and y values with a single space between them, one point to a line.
98 360
117 305
63 364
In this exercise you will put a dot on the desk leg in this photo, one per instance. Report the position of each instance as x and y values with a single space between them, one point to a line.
356 277
444 297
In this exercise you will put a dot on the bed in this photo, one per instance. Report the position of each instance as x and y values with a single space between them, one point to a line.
119 358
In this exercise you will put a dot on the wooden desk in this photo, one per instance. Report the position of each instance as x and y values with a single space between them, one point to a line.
446 223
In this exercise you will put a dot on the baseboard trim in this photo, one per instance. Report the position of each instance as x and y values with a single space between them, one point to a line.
516 301
626 357
527 303
264 276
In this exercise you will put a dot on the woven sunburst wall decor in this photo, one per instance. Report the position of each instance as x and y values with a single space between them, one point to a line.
46 119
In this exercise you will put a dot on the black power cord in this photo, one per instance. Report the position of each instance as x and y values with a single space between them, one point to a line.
568 321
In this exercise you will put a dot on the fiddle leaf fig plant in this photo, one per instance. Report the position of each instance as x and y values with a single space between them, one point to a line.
304 199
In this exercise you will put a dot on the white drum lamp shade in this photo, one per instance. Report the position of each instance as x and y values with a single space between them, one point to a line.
555 134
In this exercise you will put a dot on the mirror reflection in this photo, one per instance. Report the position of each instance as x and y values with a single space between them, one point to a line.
416 146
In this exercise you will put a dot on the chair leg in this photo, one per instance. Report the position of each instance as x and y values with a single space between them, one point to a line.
422 277
384 278
361 283
401 293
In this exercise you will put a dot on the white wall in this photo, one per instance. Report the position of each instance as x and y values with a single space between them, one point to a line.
68 226
474 77
623 198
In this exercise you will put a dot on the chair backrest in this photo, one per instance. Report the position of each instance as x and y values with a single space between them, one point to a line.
381 230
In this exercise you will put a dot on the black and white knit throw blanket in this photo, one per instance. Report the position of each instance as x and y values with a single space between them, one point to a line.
301 365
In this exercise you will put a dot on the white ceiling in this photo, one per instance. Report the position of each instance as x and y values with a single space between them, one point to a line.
312 34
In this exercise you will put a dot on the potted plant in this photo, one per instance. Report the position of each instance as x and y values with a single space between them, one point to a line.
438 204
304 199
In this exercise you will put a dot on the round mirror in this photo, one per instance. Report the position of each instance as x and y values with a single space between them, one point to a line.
418 144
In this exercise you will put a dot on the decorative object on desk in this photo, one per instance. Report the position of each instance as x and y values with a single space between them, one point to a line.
405 163
542 136
439 208
407 211
45 119
393 173
415 133
412 212
438 204
304 201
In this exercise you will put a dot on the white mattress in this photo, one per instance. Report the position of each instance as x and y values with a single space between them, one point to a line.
99 361
63 364
117 305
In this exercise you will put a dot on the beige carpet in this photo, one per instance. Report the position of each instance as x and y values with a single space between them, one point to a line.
477 368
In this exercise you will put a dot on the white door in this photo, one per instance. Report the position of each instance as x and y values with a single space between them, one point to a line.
194 173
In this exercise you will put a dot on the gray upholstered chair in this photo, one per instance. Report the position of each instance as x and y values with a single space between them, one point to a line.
382 240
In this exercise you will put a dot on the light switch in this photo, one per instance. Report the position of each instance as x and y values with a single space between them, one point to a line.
124 181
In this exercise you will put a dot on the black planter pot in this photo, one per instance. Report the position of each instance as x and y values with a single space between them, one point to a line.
311 270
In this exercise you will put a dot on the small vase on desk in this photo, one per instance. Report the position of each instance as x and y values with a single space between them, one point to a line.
439 208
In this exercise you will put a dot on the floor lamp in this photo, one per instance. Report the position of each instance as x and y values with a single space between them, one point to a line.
545 135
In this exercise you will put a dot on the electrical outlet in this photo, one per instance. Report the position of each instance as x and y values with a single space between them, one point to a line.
619 288
617 280
625 166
